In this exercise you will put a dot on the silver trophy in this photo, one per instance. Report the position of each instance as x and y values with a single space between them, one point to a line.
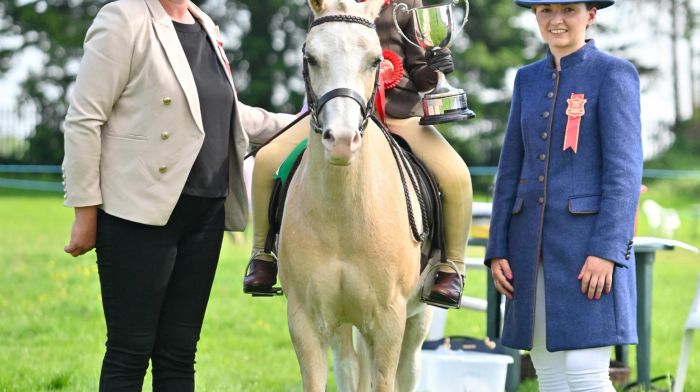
434 27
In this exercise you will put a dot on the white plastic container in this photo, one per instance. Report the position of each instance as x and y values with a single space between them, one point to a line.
446 370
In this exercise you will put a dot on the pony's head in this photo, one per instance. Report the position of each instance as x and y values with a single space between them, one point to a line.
341 60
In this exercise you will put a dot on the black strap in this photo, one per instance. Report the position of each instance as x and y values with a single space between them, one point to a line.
275 210
342 92
343 18
275 136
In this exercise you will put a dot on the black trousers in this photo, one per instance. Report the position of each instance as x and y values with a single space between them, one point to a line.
155 283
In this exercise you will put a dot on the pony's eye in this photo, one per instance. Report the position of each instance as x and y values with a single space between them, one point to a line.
377 61
311 60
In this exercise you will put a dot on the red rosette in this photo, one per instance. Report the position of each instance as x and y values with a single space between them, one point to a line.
391 69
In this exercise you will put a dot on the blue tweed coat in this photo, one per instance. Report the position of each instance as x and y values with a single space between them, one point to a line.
564 206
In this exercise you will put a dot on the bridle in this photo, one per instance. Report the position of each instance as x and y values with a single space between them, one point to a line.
316 104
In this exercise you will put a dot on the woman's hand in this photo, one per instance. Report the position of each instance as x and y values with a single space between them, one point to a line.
84 231
596 276
502 276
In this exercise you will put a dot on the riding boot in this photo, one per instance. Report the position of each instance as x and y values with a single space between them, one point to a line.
447 288
261 278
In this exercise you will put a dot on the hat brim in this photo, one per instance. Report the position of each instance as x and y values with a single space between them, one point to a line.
598 4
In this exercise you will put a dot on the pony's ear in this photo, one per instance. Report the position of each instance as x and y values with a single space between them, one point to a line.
372 8
318 6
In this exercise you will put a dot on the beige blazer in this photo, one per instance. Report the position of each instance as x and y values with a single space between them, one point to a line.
134 126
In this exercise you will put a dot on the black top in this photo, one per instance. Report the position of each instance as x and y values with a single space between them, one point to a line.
209 174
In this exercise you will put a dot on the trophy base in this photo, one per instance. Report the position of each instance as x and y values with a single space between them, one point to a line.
465 114
445 107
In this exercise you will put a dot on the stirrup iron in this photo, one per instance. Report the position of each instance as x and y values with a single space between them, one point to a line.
428 281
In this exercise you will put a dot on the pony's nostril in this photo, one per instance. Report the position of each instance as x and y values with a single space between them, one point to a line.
327 135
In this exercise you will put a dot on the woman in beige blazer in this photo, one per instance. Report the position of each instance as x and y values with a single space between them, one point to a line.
154 146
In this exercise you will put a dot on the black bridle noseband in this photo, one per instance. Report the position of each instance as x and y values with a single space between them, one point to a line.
316 104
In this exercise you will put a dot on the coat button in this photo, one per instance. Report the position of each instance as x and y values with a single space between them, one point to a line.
550 94
167 101
165 135
543 157
544 135
545 114
540 178
554 75
65 196
540 200
163 169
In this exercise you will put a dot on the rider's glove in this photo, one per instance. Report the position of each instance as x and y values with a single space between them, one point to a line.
440 60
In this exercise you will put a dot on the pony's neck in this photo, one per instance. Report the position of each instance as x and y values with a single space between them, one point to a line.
354 185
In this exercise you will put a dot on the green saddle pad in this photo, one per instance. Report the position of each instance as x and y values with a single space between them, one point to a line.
282 172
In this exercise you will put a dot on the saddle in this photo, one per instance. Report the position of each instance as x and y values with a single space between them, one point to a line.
426 188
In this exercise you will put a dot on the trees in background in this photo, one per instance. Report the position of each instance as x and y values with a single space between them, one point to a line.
263 40
51 32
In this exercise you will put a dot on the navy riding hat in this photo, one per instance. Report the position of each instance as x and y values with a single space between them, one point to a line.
600 4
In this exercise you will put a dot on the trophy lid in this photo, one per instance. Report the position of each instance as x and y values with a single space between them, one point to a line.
600 4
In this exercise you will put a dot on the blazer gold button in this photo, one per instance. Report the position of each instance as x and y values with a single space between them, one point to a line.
540 178
550 94
543 157
540 200
167 101
544 135
165 136
545 114
163 169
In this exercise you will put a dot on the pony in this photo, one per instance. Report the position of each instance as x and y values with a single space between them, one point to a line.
349 261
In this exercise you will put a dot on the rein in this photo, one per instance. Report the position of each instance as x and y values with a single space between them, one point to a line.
316 104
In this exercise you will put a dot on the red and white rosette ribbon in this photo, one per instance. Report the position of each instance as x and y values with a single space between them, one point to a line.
574 111
390 74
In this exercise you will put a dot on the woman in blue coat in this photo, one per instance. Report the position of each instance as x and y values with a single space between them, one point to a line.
560 243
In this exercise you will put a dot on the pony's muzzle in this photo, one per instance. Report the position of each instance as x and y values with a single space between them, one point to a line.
341 144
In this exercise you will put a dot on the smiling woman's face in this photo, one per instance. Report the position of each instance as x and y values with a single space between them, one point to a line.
563 26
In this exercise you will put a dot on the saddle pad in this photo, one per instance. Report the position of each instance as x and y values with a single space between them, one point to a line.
282 172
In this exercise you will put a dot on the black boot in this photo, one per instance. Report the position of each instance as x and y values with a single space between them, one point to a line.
261 278
447 289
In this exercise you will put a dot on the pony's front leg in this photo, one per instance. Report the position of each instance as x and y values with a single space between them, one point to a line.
385 343
345 364
408 372
310 345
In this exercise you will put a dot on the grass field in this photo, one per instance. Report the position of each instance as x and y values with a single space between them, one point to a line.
52 332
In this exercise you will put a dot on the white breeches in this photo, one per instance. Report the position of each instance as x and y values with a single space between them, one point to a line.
571 370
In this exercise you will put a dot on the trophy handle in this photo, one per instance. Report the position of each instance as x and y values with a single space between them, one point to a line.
404 7
466 14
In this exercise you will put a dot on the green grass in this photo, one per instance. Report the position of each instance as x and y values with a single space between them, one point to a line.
52 331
